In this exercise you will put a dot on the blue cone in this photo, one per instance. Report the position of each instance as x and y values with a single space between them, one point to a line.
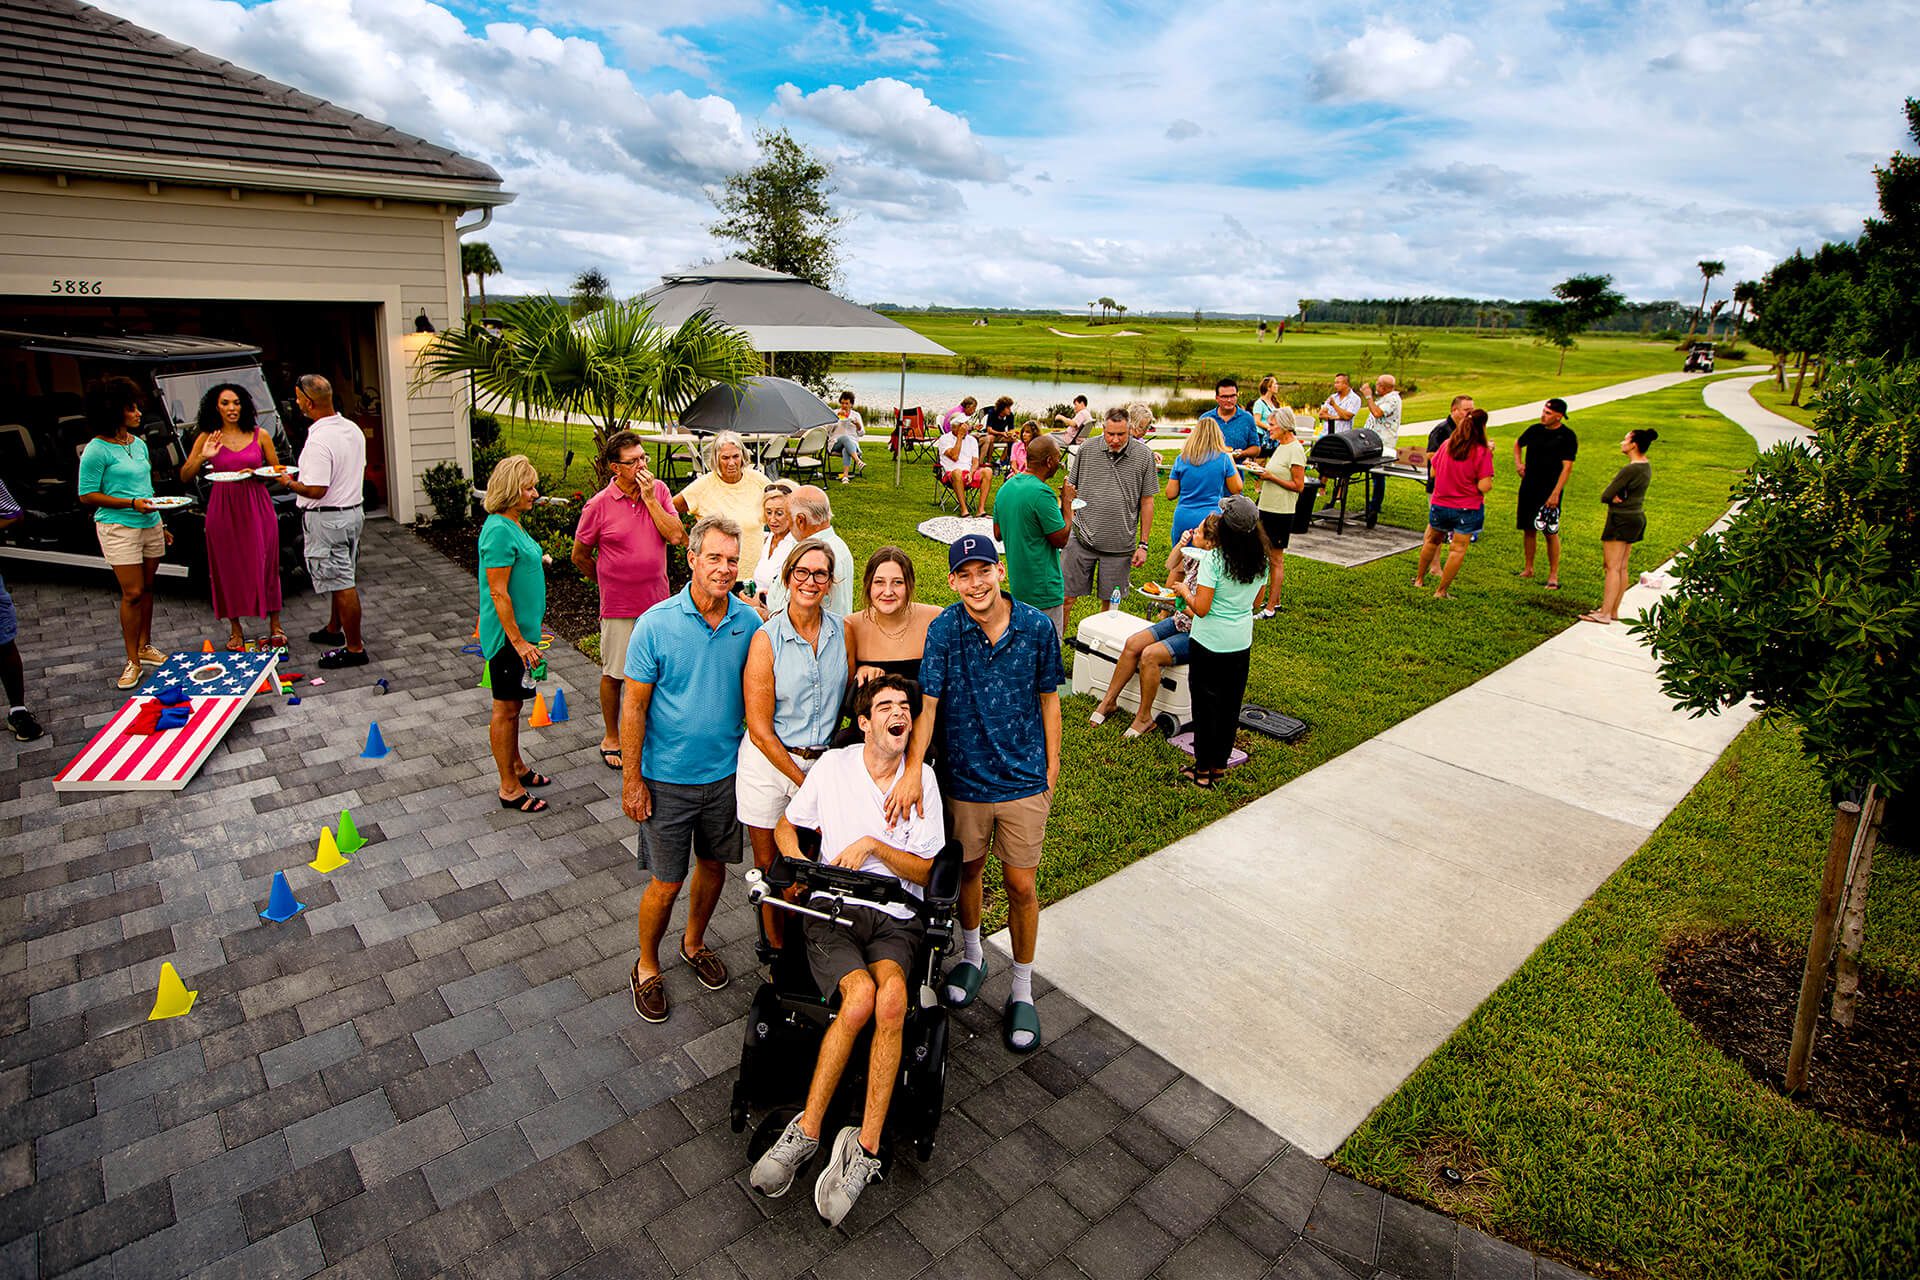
557 706
376 745
281 904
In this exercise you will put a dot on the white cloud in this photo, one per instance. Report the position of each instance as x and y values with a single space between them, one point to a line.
1387 62
1181 130
896 122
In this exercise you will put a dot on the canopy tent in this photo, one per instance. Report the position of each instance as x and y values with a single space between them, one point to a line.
780 312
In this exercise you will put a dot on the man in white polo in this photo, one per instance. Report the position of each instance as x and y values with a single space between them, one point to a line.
329 488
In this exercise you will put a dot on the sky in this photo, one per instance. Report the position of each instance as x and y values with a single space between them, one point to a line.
1210 154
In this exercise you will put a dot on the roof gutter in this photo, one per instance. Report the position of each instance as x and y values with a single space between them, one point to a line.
486 219
469 194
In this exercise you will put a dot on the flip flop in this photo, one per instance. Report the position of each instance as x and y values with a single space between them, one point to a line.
1019 1015
968 977
1551 586
612 759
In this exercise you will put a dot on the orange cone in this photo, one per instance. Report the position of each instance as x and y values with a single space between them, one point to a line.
206 646
540 718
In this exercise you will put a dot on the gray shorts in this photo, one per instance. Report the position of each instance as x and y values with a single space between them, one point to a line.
834 951
697 820
333 547
1078 564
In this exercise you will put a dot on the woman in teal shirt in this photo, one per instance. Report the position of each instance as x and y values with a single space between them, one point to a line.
513 607
116 480
1222 637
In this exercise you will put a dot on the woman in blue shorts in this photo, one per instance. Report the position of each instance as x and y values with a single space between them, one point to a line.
1462 479
1153 649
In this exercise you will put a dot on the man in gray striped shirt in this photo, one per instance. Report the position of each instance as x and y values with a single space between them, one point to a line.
1117 478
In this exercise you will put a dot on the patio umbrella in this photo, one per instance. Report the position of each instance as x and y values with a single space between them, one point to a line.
763 405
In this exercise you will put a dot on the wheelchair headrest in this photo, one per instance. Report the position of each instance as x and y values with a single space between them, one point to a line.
943 882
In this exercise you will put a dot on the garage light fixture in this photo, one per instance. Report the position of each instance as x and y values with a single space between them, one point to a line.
421 324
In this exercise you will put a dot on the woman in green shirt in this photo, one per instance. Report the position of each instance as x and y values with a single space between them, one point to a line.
116 480
513 607
1626 520
1221 602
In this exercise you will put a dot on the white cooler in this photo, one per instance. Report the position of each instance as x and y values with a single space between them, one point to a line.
1097 644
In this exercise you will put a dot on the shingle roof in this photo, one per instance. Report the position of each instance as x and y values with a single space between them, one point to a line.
72 76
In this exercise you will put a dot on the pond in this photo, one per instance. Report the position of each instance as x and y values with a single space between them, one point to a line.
876 389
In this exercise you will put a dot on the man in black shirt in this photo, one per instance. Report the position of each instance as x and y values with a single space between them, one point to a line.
1457 415
1543 456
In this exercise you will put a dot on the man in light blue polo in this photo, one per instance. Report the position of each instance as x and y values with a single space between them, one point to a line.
992 666
1237 427
681 721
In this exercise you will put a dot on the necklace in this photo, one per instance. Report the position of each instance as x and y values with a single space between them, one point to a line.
905 627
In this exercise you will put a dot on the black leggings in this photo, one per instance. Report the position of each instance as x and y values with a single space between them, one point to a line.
1217 682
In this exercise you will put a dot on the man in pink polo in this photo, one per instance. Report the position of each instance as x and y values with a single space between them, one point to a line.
621 543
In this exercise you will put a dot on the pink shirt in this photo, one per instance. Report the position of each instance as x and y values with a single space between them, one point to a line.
1457 484
631 564
335 455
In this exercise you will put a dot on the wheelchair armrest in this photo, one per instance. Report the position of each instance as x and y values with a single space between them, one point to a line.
943 882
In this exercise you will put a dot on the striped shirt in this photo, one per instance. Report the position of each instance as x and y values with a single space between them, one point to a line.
1113 486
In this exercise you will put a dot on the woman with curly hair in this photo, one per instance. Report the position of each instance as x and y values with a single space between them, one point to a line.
1462 479
1220 644
243 539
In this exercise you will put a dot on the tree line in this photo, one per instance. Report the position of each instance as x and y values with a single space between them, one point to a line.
1481 313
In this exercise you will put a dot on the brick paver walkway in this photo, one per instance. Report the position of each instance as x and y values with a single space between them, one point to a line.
436 1068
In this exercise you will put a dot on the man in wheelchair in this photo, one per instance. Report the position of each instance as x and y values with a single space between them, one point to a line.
867 957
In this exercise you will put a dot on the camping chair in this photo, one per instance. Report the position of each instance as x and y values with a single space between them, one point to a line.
772 455
910 433
806 452
942 491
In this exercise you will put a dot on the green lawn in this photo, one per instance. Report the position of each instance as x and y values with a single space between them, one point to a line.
1772 397
1354 650
1498 368
1611 1133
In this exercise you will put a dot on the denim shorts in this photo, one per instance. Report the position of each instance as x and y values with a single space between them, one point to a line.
1452 520
9 620
1178 642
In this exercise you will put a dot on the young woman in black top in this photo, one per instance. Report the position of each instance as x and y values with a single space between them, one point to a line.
1626 520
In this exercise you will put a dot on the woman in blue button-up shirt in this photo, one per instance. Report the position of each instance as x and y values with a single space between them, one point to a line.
798 670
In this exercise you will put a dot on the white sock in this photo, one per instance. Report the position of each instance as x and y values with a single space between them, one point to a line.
15 708
972 952
1022 990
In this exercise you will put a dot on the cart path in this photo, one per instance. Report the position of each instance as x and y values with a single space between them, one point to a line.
1304 978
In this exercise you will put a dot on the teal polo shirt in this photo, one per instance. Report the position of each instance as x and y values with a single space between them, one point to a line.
698 713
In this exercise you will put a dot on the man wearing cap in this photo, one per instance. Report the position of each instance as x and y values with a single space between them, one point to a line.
1549 447
992 671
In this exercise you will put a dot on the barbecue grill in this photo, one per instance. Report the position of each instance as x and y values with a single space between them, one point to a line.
1339 456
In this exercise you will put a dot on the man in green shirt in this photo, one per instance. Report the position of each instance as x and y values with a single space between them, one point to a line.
1032 521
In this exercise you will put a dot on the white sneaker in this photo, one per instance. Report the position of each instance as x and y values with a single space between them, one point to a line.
774 1172
1264 614
849 1170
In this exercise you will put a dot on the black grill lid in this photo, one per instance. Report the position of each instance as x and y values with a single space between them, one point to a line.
1347 447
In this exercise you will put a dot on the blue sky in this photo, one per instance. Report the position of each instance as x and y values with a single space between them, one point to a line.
1224 154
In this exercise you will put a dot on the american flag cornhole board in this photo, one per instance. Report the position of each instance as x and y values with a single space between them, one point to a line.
218 687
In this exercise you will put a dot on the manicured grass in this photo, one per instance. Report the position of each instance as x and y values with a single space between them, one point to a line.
1614 1135
1772 397
1497 368
1354 650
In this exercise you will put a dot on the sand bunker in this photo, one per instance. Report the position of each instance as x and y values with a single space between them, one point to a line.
1124 333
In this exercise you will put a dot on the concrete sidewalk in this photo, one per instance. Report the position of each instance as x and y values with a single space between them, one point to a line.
1304 954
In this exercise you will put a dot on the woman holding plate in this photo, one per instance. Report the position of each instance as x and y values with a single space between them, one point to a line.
243 539
116 480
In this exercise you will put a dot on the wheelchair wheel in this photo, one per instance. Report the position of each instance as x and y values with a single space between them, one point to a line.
768 1131
923 1148
737 1117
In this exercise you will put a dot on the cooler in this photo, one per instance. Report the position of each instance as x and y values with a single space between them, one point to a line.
1097 645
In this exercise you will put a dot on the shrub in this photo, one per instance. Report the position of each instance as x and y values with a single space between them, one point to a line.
485 429
550 518
485 459
447 488
559 548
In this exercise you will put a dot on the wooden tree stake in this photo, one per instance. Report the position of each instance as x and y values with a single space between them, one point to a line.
1845 820
1853 917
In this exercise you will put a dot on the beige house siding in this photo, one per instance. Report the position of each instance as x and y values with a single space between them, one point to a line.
186 242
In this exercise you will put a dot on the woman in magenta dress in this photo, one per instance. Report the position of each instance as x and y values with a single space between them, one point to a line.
243 539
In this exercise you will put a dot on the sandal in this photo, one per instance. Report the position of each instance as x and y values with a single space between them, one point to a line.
1201 778
525 802
1136 729
1020 1015
532 779
1551 586
967 976
1097 719
612 758
278 640
236 646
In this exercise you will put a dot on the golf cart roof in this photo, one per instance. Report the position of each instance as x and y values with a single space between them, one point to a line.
140 348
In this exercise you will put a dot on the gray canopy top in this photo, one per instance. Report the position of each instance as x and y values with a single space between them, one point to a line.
780 312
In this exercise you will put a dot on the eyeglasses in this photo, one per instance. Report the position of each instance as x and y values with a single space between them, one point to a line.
814 575
628 462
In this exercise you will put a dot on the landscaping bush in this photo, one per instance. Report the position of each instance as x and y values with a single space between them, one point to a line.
485 429
485 459
447 488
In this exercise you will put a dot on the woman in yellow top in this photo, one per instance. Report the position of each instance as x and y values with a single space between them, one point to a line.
731 489
1282 476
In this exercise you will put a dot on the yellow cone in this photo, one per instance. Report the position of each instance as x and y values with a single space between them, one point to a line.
328 859
540 718
173 998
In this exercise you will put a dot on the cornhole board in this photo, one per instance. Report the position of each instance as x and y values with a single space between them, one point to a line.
1274 724
219 686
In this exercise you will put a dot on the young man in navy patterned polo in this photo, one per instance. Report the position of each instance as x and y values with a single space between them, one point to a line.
992 665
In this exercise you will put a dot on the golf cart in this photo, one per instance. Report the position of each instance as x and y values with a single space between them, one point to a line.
43 428
1699 358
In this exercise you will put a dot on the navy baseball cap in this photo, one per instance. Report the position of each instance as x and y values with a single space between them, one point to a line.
1557 405
972 546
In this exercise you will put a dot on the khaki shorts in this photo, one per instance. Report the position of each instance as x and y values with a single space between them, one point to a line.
1015 829
123 545
615 635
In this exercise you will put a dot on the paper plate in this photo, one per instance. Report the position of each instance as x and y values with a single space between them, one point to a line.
1079 503
229 476
170 504
269 473
1192 553
1164 597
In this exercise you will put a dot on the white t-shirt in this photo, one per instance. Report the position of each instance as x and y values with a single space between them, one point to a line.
772 556
1386 421
1350 402
840 800
969 454
335 455
851 425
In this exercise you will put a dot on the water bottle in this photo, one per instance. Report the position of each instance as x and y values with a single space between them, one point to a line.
1113 601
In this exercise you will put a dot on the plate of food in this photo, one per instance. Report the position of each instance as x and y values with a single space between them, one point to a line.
228 477
274 473
1154 591
169 503
1192 553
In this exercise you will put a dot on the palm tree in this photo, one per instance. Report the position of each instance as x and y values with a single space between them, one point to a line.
477 259
612 367
1106 305
1745 293
1708 270
1306 304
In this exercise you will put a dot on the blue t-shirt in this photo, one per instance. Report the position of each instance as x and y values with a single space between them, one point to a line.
698 713
996 742
1202 485
1240 431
